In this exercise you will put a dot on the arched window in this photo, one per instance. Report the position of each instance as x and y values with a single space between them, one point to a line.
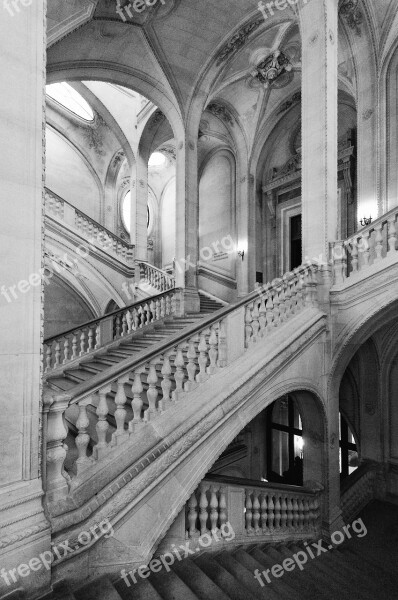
284 442
70 99
348 449
126 212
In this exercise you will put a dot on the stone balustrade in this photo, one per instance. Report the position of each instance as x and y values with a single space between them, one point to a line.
253 509
72 345
357 491
156 278
370 246
112 406
93 233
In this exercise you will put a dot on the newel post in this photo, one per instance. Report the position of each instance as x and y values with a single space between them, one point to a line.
56 432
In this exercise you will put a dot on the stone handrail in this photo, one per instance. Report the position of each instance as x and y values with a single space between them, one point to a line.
371 245
357 491
253 509
70 346
142 388
92 232
156 278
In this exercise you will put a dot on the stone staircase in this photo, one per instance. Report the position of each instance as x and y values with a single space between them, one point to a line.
207 304
361 568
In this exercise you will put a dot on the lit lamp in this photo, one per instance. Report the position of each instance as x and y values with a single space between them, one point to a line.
365 221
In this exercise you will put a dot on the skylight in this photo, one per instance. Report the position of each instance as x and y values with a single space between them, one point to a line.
157 159
67 96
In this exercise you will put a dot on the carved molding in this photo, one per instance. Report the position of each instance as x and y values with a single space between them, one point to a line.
238 40
221 111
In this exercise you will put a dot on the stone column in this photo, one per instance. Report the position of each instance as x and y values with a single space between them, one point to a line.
187 223
139 203
246 234
24 529
318 22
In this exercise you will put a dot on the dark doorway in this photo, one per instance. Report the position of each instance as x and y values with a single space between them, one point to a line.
295 242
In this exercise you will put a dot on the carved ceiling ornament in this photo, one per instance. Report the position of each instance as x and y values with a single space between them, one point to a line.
276 70
237 41
220 111
157 118
351 12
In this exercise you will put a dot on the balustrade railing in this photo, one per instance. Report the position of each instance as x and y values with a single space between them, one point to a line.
135 391
367 247
92 232
79 342
264 509
156 278
357 491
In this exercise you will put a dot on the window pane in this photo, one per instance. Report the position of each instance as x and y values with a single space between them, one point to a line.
69 98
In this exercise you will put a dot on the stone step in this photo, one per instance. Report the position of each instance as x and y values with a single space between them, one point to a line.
245 576
142 590
101 589
170 587
223 578
249 562
201 585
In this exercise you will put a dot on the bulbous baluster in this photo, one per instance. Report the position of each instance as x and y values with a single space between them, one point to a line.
152 392
289 523
213 508
263 316
213 353
135 319
66 351
255 321
392 235
55 407
249 512
222 507
263 512
277 522
300 514
102 424
295 514
203 504
137 402
248 326
222 345
117 326
270 312
147 311
192 515
83 439
166 381
162 307
57 361
271 513
98 336
90 345
282 307
256 511
354 256
120 435
48 350
202 375
277 315
82 343
283 512
125 327
168 305
74 346
129 321
158 309
306 511
191 367
179 374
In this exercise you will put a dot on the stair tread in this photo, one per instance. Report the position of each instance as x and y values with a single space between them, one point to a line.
224 579
245 576
202 586
170 587
142 590
100 589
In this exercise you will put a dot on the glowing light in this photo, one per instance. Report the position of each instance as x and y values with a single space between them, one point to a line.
157 159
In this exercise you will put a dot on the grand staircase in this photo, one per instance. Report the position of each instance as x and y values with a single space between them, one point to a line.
360 568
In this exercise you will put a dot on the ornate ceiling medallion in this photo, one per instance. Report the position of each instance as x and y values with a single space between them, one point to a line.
275 70
350 10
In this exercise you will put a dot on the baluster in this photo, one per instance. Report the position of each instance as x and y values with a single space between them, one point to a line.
191 367
213 508
98 336
277 512
55 407
289 513
162 308
283 512
82 343
57 355
300 514
392 235
152 392
166 381
202 375
102 424
366 249
270 513
137 402
141 316
295 513
129 321
275 300
255 322
117 326
281 299
125 326
74 346
378 242
147 314
120 435
263 316
249 513
222 346
192 515
213 354
256 511
83 439
135 319
179 375
48 357
248 326
263 512
222 507
269 308
90 346
152 311
288 295
158 309
306 511
203 503
168 305
66 351
354 255
339 262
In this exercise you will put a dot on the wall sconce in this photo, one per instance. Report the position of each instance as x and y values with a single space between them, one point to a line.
365 221
241 253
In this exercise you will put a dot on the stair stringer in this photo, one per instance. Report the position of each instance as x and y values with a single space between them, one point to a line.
142 510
